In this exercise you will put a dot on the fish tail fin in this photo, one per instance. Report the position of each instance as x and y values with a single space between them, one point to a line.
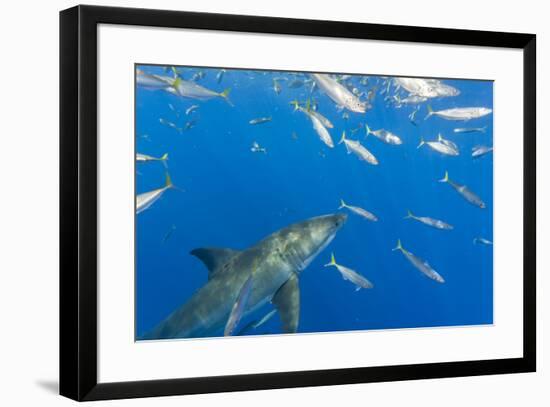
422 142
369 131
475 240
430 112
308 105
439 137
332 261
168 183
483 129
445 178
163 159
343 137
225 95
409 215
342 204
398 247
295 103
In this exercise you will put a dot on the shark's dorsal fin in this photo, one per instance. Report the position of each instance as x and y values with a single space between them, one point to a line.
287 302
213 257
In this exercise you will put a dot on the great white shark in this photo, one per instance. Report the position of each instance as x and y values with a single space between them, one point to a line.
274 263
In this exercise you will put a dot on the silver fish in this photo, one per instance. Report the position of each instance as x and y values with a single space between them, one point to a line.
464 191
460 113
191 109
358 211
353 146
350 275
152 82
339 94
435 223
146 158
419 264
427 88
257 149
146 199
321 130
219 76
442 146
260 120
479 151
481 240
384 135
470 129
192 90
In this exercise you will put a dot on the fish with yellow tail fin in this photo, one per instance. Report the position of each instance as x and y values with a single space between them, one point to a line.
358 211
355 147
384 135
350 275
434 223
147 158
146 199
421 265
192 90
463 191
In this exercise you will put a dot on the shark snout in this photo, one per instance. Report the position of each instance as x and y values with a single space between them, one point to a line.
339 220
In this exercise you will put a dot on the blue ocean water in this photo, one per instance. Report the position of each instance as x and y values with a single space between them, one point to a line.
230 196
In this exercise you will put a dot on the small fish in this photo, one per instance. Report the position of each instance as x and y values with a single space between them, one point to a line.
426 88
219 76
257 149
294 135
345 116
296 83
419 264
384 135
260 120
412 116
353 146
464 192
191 109
173 109
170 124
460 113
189 125
276 87
238 307
442 146
435 223
198 76
152 82
326 122
168 234
339 94
321 131
358 211
147 158
409 100
479 151
470 129
350 275
481 240
146 199
192 90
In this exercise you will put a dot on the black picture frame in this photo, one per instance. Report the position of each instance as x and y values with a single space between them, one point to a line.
78 196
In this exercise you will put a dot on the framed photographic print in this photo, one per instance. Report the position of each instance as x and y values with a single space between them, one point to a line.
285 203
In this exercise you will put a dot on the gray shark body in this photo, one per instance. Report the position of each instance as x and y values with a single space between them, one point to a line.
275 264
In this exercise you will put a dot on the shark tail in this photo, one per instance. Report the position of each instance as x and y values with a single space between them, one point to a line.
409 215
430 112
445 178
398 247
422 142
343 137
342 204
332 261
225 95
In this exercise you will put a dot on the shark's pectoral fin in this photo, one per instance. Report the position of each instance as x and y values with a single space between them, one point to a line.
214 258
287 301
